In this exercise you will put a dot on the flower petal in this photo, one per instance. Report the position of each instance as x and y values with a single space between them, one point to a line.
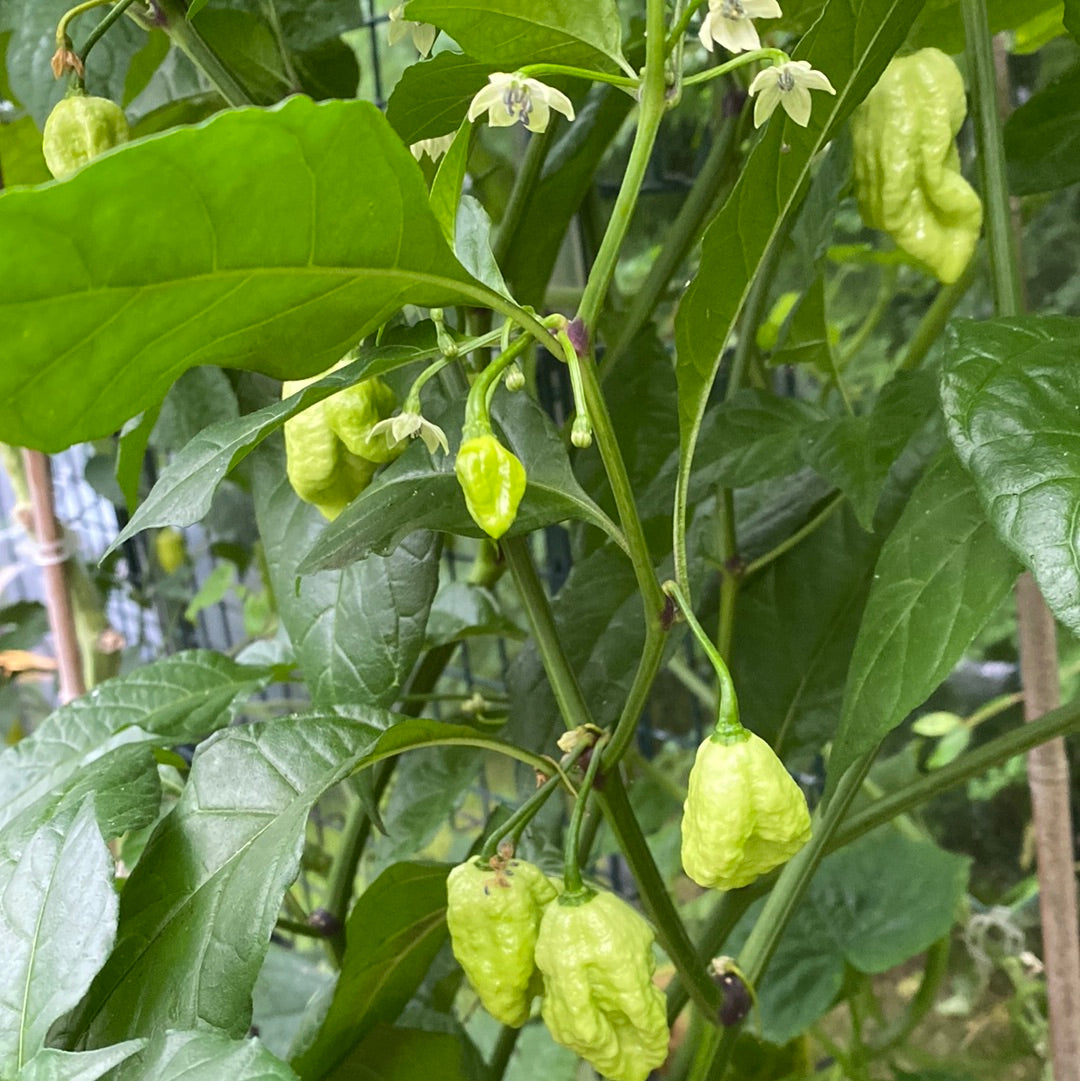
423 36
559 102
762 9
539 115
762 79
767 100
741 36
796 104
813 80
486 98
705 32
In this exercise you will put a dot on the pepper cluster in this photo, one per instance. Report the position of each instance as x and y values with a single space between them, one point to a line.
330 449
516 935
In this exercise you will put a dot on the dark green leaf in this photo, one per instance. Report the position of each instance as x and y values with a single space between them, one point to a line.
202 1056
567 177
179 699
941 574
449 180
200 397
22 625
472 244
804 338
131 457
1072 18
856 453
405 1054
185 489
872 905
187 278
21 159
511 33
1010 389
852 46
942 25
421 492
289 980
1042 138
57 923
393 933
53 1065
432 97
357 631
202 901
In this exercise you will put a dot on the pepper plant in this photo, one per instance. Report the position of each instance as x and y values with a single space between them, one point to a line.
802 446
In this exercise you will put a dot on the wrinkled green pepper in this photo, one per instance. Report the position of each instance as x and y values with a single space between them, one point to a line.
595 953
79 128
330 457
744 814
493 482
493 913
907 168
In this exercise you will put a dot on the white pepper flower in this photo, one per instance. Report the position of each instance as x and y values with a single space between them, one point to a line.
789 85
728 22
411 425
423 34
511 98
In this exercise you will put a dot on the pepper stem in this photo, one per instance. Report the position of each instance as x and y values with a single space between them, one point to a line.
478 405
581 431
572 871
728 729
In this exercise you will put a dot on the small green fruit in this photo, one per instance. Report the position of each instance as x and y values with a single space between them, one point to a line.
80 128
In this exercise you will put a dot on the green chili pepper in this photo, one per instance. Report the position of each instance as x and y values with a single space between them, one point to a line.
493 481
80 128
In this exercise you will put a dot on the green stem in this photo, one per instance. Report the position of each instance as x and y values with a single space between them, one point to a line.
478 405
270 9
670 930
786 896
681 235
928 332
730 573
653 106
98 32
562 677
797 537
571 866
521 192
504 1050
777 56
1000 239
934 971
62 36
728 711
623 81
189 41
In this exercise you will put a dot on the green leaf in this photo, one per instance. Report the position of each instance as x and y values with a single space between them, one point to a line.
392 935
798 620
942 24
1010 390
472 244
871 905
852 46
187 277
57 923
185 489
510 33
446 187
405 1054
432 97
357 631
421 492
289 980
202 1056
176 700
941 575
804 337
202 901
53 1065
856 453
1042 138
21 158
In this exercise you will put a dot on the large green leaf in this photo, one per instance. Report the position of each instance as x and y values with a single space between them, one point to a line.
202 1056
872 905
851 44
52 1065
202 901
393 933
57 923
176 700
511 33
259 249
941 574
405 1054
357 631
1011 389
420 491
1042 138
184 491
941 25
